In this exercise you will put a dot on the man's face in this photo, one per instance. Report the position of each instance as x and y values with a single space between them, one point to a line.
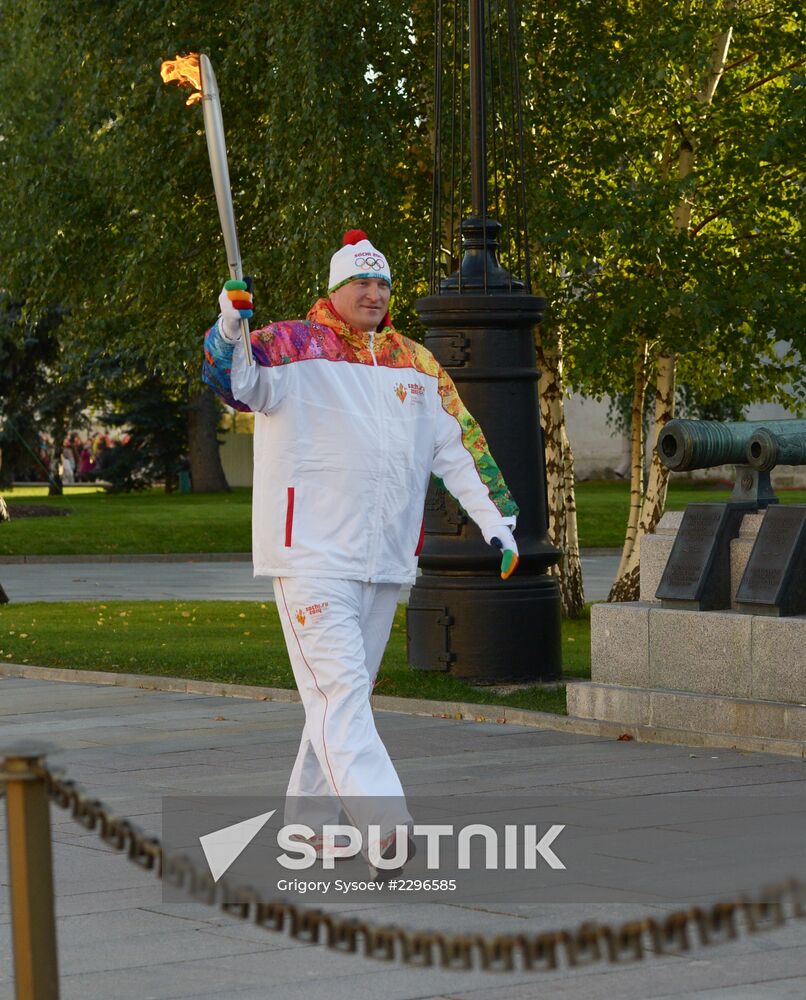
362 302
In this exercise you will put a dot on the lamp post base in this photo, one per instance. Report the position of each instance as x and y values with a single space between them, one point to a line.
484 630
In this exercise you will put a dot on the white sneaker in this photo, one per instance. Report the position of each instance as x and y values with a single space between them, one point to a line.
388 850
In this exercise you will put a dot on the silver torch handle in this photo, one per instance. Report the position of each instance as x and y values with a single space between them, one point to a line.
217 148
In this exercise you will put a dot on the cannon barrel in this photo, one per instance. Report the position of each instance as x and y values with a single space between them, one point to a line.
684 445
768 448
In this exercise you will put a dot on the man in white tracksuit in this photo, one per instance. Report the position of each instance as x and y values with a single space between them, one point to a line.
351 420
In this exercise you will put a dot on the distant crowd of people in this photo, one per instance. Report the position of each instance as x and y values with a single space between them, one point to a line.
84 460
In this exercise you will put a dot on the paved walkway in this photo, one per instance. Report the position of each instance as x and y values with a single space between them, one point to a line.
130 747
192 581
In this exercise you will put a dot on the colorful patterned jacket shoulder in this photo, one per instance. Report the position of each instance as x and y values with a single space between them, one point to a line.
301 340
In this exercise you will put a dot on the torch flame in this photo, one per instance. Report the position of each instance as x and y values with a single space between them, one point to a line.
185 71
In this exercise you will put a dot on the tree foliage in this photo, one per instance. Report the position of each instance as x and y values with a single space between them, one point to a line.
128 231
611 103
106 177
155 443
40 395
111 214
669 211
325 111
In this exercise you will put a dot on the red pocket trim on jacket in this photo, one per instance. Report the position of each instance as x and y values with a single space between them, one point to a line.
289 517
421 539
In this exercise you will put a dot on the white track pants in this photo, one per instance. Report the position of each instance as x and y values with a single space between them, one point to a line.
336 632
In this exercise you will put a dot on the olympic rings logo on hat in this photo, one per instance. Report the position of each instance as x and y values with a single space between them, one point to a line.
371 262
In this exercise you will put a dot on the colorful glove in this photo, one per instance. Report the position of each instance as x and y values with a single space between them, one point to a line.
502 538
235 302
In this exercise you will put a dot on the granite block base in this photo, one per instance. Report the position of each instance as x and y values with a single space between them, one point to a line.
696 672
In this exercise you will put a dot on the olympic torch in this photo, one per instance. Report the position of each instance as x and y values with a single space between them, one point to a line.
196 71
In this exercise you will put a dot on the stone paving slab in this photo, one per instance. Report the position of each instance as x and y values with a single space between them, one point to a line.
512 717
118 939
759 974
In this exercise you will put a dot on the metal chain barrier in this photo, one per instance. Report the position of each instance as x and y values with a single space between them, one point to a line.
585 945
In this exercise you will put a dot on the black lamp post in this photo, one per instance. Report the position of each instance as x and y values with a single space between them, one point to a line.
462 618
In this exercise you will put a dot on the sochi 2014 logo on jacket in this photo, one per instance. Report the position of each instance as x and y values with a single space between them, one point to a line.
303 614
413 389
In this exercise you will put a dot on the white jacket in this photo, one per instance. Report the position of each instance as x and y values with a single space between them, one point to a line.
348 429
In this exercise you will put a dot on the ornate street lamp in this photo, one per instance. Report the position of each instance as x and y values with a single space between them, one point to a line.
480 318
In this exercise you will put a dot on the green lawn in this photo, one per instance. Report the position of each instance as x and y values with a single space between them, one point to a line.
153 521
602 507
120 523
231 641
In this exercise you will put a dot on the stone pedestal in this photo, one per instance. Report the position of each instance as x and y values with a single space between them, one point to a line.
689 676
654 552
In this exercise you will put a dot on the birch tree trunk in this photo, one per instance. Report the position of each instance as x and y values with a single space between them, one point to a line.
628 580
650 509
655 497
640 377
560 483
569 570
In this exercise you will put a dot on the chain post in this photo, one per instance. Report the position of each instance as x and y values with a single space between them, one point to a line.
31 872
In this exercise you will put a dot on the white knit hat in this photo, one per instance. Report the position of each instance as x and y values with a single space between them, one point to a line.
357 258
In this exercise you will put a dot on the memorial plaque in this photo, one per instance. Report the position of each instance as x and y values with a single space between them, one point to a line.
774 581
697 575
